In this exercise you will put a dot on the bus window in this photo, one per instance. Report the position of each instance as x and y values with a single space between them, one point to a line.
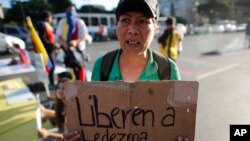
94 21
112 21
58 19
86 20
104 21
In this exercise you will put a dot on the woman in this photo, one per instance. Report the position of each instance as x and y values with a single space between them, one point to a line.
136 27
46 34
59 113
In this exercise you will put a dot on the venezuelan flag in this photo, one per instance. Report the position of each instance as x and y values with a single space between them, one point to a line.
39 47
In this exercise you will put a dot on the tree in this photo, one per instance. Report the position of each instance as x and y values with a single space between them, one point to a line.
92 9
33 8
19 10
216 9
59 6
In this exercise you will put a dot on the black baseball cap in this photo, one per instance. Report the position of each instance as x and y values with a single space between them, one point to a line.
148 7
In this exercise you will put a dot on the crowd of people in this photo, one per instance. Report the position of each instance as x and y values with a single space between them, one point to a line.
69 36
134 61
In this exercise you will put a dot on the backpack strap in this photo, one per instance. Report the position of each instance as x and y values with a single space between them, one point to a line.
163 38
164 67
170 42
107 64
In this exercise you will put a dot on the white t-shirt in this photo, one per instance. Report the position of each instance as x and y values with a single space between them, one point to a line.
62 27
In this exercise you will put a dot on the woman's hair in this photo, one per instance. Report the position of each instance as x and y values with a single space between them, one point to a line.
170 21
45 14
60 107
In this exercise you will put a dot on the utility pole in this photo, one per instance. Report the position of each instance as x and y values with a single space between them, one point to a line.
172 8
1 12
23 13
196 5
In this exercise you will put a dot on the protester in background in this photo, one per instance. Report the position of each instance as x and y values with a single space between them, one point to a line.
169 41
182 31
46 34
248 33
72 33
136 27
58 113
102 34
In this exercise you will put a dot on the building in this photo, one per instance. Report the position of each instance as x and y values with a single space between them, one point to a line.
242 5
186 9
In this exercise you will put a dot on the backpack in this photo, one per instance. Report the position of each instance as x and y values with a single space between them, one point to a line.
164 70
162 39
72 58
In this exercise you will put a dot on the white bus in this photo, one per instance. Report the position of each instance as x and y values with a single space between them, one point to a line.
93 21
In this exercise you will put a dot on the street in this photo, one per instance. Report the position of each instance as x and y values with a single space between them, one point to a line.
220 63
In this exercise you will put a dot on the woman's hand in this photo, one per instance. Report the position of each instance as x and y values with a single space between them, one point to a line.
42 108
42 133
73 43
180 138
72 136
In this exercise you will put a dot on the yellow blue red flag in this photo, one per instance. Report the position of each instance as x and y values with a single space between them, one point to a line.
39 47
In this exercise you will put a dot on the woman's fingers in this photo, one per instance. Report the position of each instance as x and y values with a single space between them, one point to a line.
179 138
71 136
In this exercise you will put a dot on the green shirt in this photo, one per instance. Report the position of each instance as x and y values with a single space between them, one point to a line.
149 72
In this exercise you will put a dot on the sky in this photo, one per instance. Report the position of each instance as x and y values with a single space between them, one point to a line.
108 4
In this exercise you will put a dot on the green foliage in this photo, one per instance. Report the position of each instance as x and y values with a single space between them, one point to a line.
94 9
216 9
181 20
20 10
33 8
59 6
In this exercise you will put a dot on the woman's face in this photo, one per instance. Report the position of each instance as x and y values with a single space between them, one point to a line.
135 32
60 92
50 19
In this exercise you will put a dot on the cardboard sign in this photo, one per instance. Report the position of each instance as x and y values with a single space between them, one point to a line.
140 111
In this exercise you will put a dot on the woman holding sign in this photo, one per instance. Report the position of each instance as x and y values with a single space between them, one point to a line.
136 27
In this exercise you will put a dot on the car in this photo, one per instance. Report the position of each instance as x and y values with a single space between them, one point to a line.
19 32
7 43
216 28
229 27
197 30
112 33
241 27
